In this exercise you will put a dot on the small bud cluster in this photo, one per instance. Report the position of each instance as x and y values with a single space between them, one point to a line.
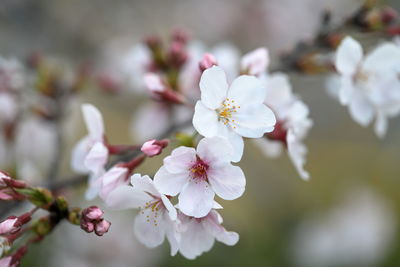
92 220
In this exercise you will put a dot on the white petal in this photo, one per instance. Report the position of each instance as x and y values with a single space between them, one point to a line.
148 230
195 240
297 153
93 187
212 224
170 208
381 125
361 109
205 120
255 62
196 198
213 86
78 156
180 160
346 90
144 183
113 178
94 121
97 158
127 197
227 181
215 150
168 183
279 90
237 144
384 58
247 90
254 121
270 148
348 56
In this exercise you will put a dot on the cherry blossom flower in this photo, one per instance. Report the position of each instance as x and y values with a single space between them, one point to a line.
293 122
90 153
200 174
232 112
369 85
157 215
197 235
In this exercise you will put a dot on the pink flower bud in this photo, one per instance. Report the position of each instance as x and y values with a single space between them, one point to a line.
92 213
153 147
102 227
9 226
87 226
207 62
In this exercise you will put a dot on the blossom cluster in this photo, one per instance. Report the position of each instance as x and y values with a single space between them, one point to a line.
179 203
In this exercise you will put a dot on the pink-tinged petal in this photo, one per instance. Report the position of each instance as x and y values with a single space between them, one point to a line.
127 197
6 261
348 56
180 159
247 91
205 120
254 121
361 110
195 240
196 198
97 158
215 150
213 87
78 156
94 121
228 181
213 225
255 62
148 230
170 208
168 183
144 183
113 178
297 154
385 58
173 236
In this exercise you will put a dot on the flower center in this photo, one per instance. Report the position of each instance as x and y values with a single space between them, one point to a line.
156 207
226 111
199 170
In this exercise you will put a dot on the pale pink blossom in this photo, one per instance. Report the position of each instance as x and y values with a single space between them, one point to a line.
154 83
90 154
157 215
200 174
293 123
207 62
110 180
234 111
369 85
197 235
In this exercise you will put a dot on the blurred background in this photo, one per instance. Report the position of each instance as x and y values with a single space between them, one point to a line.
346 215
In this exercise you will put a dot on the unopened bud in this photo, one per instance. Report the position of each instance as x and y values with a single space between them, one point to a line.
8 226
92 213
154 147
102 227
207 62
88 227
